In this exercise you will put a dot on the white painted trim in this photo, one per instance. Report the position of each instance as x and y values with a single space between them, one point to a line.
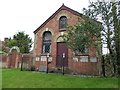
63 14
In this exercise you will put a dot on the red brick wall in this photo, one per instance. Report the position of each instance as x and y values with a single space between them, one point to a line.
53 26
3 60
13 60
27 60
83 67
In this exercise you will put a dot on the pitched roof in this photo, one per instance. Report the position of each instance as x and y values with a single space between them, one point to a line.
63 7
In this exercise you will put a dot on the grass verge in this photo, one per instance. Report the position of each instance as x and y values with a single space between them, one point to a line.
22 79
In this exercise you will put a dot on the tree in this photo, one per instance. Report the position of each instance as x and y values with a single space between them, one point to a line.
109 13
22 40
11 43
88 32
116 25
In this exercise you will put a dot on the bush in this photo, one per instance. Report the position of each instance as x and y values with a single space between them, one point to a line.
26 69
32 68
1 52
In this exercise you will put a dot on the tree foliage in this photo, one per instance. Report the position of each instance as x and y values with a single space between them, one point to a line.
89 32
83 35
2 48
109 13
11 43
22 40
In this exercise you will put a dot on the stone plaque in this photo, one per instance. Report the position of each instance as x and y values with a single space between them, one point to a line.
93 59
43 68
43 58
75 59
50 59
37 59
83 58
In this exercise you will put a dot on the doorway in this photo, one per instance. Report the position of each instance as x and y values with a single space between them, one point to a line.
62 48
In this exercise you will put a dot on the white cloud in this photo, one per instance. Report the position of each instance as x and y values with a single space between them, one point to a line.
27 15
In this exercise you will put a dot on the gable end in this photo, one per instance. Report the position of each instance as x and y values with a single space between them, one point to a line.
63 7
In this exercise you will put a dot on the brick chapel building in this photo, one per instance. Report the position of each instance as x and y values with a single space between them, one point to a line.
47 40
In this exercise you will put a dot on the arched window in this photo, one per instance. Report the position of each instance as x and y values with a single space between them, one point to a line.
46 42
62 22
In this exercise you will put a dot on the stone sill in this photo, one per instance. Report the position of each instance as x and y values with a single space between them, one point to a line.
45 54
62 29
82 54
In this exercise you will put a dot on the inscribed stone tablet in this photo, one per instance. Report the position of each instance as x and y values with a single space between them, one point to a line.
43 58
37 58
75 59
83 58
93 59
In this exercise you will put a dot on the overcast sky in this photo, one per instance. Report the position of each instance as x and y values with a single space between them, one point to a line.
28 15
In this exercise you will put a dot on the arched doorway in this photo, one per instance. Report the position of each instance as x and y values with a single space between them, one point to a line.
61 48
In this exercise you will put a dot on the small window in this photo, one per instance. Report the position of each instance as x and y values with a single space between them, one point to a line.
62 22
46 48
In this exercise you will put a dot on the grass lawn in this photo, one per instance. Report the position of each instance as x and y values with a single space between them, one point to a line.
0 79
17 79
2 68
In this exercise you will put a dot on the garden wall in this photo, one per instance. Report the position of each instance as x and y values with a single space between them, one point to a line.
14 60
3 60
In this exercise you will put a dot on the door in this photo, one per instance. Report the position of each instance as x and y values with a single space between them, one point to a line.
62 48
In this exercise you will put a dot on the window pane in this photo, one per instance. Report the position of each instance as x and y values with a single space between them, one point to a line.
46 42
47 36
81 51
46 48
43 48
63 22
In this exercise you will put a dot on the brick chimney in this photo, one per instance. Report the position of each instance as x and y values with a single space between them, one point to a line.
6 39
